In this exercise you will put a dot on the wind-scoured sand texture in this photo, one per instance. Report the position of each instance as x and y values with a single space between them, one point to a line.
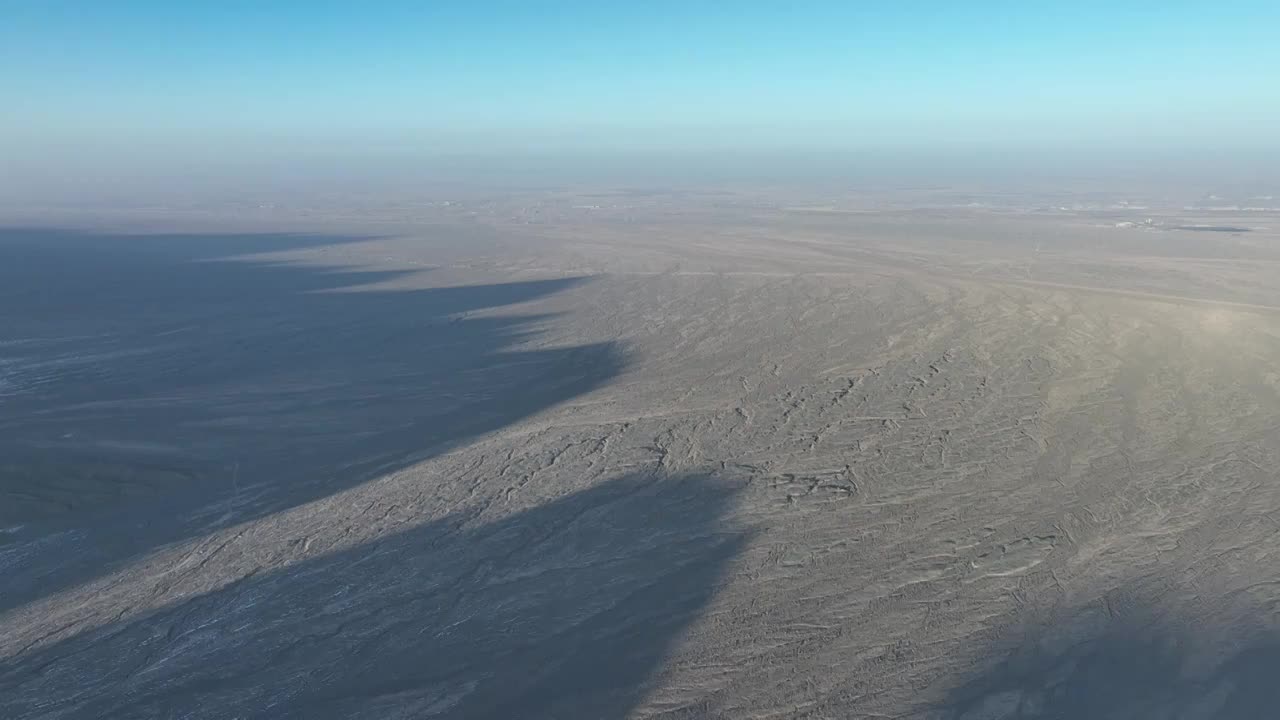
717 463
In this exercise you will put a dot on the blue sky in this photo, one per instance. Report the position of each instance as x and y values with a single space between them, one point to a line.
493 76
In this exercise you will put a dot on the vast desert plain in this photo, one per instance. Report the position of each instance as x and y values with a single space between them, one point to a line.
643 453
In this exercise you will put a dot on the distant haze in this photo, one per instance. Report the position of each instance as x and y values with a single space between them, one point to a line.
132 95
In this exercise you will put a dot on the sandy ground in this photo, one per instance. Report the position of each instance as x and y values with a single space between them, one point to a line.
684 460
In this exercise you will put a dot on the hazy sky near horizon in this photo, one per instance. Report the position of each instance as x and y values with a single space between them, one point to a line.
658 75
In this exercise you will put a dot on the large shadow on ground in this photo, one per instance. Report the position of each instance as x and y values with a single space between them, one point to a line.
154 389
563 611
1105 663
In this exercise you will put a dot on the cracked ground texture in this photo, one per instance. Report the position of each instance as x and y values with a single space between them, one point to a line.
770 467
